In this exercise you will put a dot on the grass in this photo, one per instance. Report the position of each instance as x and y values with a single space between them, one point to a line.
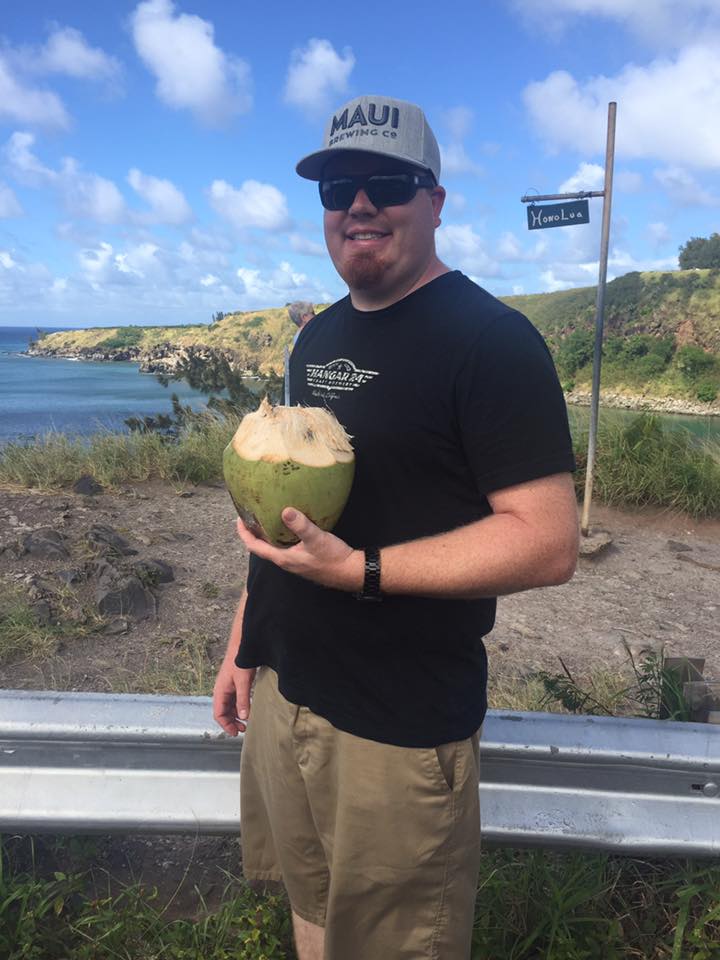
530 905
24 636
643 464
636 465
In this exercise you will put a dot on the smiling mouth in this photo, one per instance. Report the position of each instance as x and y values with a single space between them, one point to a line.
368 235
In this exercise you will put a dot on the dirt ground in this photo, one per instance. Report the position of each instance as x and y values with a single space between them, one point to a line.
657 583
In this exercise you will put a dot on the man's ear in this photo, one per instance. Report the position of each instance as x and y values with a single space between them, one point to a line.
437 198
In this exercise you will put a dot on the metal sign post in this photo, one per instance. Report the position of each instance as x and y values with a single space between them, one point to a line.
558 216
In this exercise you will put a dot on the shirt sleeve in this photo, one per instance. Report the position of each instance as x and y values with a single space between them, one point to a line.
510 408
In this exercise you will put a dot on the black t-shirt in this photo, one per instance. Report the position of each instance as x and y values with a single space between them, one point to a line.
448 395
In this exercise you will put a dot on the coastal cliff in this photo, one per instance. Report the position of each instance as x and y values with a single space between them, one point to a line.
661 349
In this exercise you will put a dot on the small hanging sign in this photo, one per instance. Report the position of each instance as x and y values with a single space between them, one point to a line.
566 214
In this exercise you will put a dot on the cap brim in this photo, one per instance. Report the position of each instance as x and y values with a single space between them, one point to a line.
311 167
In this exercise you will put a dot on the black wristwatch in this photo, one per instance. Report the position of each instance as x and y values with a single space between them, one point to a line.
371 583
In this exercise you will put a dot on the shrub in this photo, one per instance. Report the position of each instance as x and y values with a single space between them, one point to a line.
692 361
707 391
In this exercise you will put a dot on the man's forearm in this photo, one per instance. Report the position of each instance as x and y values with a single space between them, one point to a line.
498 555
236 629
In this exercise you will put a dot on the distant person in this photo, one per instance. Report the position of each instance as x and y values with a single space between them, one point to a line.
301 313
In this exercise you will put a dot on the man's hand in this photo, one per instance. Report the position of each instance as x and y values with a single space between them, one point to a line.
231 697
319 556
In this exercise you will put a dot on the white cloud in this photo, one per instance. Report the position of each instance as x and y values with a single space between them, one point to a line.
683 188
23 104
627 181
459 246
302 244
663 109
85 195
89 195
22 163
509 248
317 75
253 205
561 275
658 233
67 52
459 120
454 160
209 280
456 201
657 21
6 260
9 203
277 285
588 176
167 203
191 71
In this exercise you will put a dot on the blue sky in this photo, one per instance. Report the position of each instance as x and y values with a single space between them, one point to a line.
147 149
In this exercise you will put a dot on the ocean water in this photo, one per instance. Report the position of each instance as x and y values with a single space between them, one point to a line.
39 394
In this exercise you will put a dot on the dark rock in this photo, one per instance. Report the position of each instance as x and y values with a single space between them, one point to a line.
117 626
596 543
182 537
45 543
154 571
128 597
43 612
678 547
105 540
105 573
87 485
187 493
69 576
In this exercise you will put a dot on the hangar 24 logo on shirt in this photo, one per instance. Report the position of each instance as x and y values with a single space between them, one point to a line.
341 375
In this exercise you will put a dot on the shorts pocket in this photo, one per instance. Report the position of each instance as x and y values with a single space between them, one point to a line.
442 763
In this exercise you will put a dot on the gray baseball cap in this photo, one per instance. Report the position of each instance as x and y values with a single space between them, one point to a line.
379 125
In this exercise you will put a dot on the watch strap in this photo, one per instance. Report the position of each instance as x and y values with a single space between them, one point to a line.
371 582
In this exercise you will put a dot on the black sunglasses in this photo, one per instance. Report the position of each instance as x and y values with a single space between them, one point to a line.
382 189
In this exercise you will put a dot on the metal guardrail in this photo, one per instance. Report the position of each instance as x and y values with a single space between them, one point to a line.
85 762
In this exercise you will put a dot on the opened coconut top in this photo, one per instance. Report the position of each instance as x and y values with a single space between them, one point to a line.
308 435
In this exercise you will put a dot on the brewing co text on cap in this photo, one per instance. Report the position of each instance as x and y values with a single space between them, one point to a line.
378 125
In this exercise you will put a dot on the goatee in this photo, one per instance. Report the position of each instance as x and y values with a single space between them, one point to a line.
364 271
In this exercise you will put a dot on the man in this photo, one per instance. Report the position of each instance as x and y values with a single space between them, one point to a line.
360 762
301 313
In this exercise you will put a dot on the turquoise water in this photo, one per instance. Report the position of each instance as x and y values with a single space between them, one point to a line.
705 428
39 394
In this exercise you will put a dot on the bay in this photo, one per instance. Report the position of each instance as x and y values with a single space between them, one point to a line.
42 394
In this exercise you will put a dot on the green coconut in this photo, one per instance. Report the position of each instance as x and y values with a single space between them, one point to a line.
288 457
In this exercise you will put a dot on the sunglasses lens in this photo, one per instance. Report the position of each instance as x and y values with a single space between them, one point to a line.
383 191
390 191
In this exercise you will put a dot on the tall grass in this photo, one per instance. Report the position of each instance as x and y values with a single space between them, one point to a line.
57 460
636 465
645 464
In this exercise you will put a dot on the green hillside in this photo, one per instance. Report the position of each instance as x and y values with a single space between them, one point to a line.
662 335
256 338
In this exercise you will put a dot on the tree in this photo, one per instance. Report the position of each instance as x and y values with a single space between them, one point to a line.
701 252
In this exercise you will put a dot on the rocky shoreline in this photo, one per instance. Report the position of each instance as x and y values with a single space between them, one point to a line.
166 357
642 403
163 358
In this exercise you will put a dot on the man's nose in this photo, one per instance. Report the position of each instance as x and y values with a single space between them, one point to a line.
362 203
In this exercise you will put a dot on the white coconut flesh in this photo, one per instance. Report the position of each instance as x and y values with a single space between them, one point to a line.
309 436
288 456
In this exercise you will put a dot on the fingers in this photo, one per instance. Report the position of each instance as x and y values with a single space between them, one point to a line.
301 526
243 685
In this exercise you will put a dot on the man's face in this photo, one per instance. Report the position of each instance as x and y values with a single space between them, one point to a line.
381 252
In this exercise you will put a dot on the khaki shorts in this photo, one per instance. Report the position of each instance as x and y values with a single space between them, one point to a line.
377 843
